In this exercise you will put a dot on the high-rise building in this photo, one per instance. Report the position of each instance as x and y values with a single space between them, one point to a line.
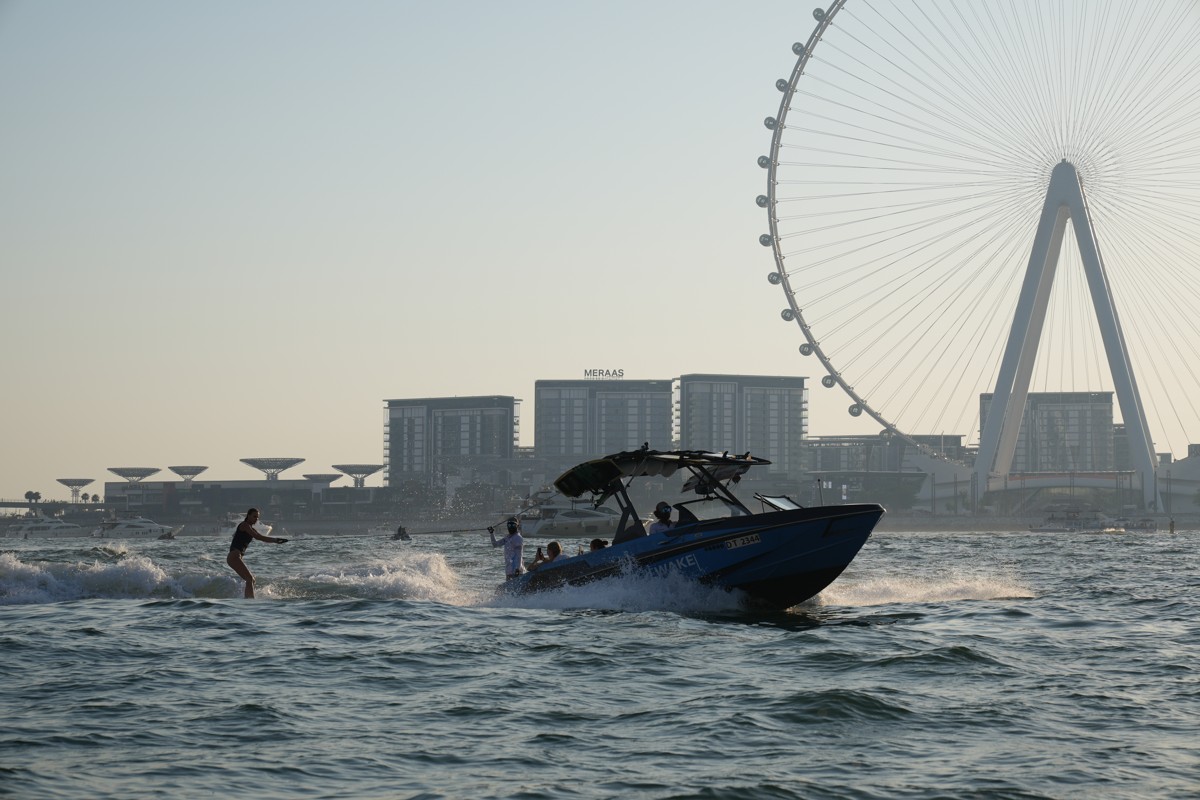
424 436
765 415
575 420
1062 432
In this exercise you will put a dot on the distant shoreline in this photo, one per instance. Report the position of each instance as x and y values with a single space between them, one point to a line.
891 523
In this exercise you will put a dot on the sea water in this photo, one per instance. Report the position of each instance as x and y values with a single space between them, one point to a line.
940 665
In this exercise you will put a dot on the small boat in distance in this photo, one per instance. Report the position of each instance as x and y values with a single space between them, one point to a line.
396 533
1143 525
1077 520
777 557
135 528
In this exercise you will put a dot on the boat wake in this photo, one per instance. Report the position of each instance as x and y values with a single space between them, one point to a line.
637 591
944 588
50 582
116 573
409 576
634 592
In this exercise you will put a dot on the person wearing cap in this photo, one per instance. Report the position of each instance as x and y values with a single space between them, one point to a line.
514 546
662 518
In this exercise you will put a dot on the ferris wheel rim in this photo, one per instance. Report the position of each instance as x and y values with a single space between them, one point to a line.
777 124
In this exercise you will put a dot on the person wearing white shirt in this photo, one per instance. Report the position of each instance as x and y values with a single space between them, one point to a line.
662 518
514 546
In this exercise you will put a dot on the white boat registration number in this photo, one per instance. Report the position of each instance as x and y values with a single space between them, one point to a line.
742 541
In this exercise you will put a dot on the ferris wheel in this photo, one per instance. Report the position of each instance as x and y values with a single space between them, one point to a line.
910 162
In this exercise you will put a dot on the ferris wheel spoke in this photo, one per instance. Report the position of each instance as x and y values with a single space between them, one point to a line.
954 67
968 306
1037 98
927 121
889 120
926 370
887 234
888 138
863 277
886 84
945 72
890 262
891 208
888 289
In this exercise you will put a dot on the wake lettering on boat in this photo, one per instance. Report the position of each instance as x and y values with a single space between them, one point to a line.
684 566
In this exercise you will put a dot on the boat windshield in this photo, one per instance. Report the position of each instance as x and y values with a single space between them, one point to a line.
708 508
778 502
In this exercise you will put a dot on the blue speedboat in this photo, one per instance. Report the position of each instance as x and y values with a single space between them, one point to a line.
778 556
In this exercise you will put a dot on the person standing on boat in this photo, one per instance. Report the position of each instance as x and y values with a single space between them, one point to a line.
662 518
514 548
237 548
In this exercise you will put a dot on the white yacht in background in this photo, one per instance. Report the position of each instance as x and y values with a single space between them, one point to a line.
135 528
44 528
563 520
548 514
229 527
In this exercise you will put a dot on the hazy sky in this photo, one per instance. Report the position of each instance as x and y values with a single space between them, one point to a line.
234 229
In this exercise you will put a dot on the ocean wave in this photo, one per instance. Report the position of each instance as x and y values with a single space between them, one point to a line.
807 707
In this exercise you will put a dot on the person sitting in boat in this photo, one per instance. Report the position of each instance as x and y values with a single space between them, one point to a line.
662 518
553 553
514 546
599 544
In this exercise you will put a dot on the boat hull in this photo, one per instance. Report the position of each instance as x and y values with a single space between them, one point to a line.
777 559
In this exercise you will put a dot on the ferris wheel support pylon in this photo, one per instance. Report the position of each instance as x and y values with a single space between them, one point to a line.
997 444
